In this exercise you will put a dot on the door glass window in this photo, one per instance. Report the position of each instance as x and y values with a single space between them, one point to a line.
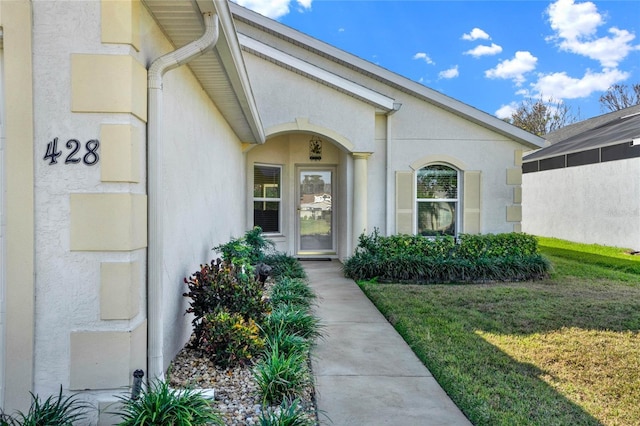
315 211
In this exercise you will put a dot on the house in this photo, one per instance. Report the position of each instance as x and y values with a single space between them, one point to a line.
584 187
137 135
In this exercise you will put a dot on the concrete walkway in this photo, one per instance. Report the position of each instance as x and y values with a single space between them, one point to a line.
365 372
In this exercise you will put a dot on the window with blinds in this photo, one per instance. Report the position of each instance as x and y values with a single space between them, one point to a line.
437 200
267 197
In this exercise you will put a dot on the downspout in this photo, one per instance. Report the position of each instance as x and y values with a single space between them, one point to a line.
155 288
389 207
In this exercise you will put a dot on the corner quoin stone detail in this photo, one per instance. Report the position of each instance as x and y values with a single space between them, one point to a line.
108 83
106 359
119 290
108 222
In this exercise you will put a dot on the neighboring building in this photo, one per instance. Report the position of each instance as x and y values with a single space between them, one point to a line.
584 187
120 173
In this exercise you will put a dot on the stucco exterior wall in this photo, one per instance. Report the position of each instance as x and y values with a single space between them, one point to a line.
592 204
204 193
68 285
420 131
91 220
283 96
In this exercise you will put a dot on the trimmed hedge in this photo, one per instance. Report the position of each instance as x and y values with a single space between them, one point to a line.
473 258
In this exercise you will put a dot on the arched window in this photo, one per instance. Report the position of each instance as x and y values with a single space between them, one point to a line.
437 200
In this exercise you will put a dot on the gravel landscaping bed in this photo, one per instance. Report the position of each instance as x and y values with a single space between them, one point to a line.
236 393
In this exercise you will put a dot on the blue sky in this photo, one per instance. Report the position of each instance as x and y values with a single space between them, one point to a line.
489 54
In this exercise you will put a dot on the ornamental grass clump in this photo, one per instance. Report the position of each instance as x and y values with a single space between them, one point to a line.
292 319
294 291
289 413
281 376
55 410
283 265
159 405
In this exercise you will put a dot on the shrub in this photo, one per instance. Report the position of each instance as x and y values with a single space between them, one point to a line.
55 410
222 286
289 413
230 339
284 265
281 376
476 258
247 250
159 405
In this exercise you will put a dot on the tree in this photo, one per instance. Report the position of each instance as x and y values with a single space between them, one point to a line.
620 96
540 116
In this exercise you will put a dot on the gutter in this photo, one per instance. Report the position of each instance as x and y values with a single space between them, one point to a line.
155 264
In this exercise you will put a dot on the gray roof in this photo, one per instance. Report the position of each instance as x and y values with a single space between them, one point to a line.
611 129
582 126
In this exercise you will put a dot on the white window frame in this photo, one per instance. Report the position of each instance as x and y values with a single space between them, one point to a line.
269 199
457 200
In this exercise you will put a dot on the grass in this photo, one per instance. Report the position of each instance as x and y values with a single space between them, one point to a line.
562 351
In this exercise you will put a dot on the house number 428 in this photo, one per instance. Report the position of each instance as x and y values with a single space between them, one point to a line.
89 156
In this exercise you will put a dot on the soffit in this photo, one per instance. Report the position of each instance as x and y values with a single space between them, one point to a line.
220 71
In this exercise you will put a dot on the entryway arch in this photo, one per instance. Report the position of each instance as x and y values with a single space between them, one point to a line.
287 158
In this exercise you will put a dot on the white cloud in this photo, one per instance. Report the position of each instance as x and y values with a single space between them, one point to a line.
482 50
575 27
506 111
514 69
561 86
476 34
450 73
424 57
273 9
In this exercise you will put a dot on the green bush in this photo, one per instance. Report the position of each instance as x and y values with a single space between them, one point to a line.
247 250
284 265
159 405
230 339
475 258
222 286
55 410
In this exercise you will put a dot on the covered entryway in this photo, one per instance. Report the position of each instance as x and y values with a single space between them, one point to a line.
315 219
299 193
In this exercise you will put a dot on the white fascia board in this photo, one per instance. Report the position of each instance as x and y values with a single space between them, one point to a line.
310 70
234 61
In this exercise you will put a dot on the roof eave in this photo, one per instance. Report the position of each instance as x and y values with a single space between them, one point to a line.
231 92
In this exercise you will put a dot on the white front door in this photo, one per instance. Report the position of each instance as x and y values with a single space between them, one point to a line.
315 219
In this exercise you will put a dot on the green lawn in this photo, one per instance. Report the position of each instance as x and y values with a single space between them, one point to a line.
563 351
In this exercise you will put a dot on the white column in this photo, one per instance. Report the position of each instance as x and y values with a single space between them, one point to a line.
359 213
